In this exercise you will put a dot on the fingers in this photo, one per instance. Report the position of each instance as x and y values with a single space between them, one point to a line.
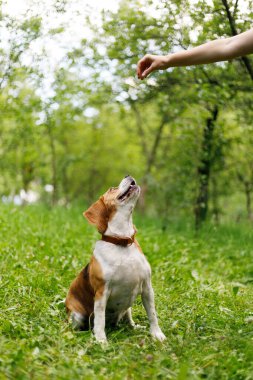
150 63
147 71
144 66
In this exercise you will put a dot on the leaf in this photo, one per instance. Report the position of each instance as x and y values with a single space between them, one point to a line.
235 290
56 30
225 310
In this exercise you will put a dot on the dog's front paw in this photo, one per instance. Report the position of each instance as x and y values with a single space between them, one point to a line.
158 334
101 338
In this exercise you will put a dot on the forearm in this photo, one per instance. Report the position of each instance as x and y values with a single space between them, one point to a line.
214 51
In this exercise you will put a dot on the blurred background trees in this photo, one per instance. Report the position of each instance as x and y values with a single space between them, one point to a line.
73 126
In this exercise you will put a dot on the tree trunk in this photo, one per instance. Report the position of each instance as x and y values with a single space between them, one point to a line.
215 205
248 200
27 175
234 32
151 158
140 129
248 186
204 169
65 184
53 161
158 136
248 65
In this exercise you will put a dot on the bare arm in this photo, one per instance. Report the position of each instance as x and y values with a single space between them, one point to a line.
214 51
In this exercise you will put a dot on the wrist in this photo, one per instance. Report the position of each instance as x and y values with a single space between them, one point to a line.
166 61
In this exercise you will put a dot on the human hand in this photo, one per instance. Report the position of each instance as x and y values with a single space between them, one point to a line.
150 63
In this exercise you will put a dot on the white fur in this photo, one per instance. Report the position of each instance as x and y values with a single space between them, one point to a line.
99 317
121 224
126 273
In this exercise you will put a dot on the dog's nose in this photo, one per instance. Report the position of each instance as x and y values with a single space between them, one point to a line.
127 176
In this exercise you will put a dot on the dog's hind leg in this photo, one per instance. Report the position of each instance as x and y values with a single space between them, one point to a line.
78 317
79 321
128 317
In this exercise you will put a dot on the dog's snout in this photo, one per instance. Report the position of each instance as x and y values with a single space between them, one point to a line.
130 178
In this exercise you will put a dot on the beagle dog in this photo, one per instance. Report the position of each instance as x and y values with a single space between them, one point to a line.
118 271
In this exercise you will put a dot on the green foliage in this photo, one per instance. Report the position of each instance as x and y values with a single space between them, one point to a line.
32 26
86 123
203 292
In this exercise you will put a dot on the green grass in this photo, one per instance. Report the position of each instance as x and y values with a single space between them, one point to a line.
203 289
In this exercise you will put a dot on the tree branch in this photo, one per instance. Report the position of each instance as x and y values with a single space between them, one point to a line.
234 32
140 129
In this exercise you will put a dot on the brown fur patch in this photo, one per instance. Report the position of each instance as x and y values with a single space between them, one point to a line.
86 287
97 214
81 294
138 245
103 210
113 210
96 278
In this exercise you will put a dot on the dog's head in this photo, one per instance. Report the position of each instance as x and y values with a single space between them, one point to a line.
117 199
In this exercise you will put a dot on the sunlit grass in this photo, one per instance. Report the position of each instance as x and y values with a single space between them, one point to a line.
203 288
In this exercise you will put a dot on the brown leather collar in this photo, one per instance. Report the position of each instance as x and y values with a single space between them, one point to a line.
124 242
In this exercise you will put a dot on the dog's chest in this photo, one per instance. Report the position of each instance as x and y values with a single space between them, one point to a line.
124 270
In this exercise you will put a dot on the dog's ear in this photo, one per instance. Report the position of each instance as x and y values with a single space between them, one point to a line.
97 215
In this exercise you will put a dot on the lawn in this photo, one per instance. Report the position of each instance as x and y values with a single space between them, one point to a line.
203 292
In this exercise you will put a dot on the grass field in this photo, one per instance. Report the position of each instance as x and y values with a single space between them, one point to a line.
204 298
